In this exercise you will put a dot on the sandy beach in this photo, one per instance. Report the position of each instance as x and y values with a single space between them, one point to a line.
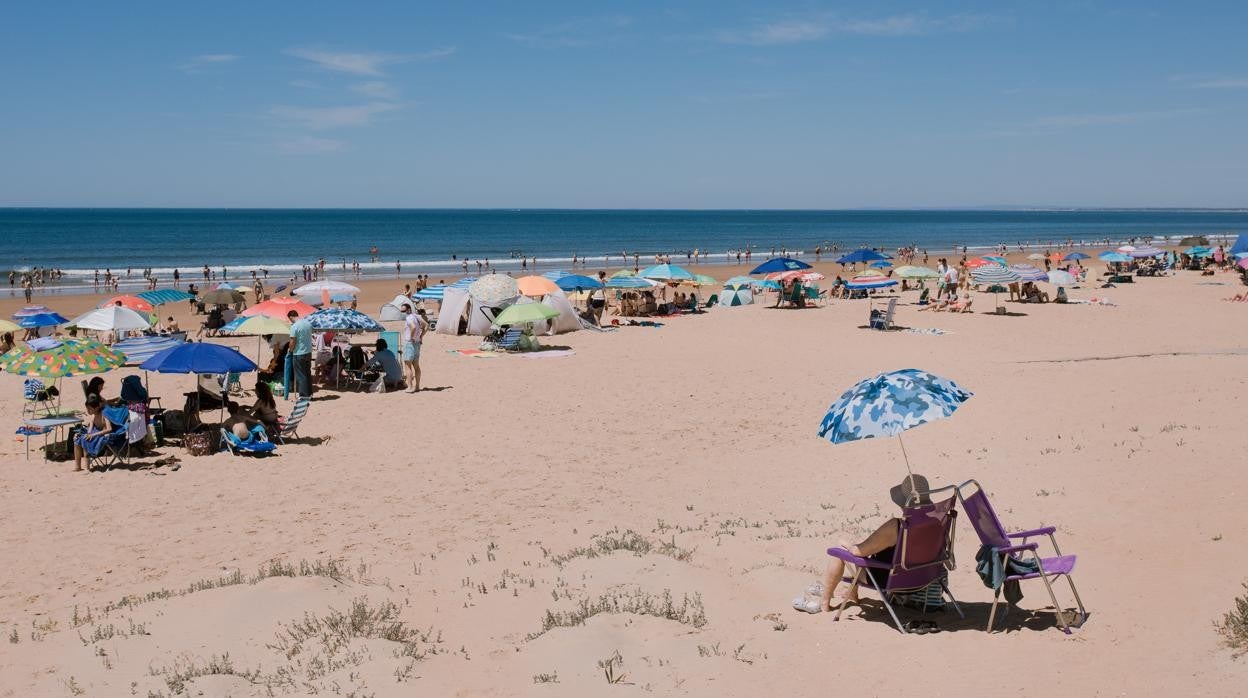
643 509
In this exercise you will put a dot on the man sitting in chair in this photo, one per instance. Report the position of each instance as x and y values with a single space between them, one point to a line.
384 360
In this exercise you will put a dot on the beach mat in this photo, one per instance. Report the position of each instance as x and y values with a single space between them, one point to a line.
547 354
473 353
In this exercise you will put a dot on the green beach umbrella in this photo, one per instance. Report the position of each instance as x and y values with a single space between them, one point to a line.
59 359
521 313
623 272
912 272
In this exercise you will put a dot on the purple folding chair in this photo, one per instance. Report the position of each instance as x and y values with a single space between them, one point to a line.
991 533
923 554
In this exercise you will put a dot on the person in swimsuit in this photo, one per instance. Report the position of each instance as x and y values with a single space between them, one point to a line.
877 546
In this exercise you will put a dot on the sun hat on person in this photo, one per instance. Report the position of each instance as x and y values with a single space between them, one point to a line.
911 490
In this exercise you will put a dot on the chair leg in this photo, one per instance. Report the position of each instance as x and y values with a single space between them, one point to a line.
1057 608
852 588
887 605
956 607
1078 601
992 615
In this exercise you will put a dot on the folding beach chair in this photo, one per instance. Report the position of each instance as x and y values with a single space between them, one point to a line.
993 535
38 400
290 425
883 319
923 556
257 444
510 341
110 449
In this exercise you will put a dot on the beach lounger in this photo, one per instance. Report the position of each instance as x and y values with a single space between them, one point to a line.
883 319
923 556
1006 546
257 444
290 425
712 300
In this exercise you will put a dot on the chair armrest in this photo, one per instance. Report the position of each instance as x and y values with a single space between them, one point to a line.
1017 548
1046 531
845 555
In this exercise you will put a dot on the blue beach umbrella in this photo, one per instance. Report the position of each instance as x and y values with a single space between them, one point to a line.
889 404
861 255
881 264
666 272
996 258
198 357
1075 256
1199 251
556 274
464 282
164 295
1113 256
769 284
779 264
47 319
343 319
573 282
739 281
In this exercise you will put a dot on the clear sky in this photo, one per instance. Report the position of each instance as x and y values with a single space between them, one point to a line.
715 104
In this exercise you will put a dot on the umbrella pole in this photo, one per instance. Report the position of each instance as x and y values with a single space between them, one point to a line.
909 472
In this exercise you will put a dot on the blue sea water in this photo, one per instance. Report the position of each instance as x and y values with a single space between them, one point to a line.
80 241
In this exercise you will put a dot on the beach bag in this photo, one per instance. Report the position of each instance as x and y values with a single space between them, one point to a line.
203 443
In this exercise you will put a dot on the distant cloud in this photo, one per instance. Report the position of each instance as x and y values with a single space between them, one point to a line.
1205 82
310 145
574 33
376 89
365 64
1061 122
801 30
321 118
207 59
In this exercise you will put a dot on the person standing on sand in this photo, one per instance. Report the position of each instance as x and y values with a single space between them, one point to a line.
414 328
300 348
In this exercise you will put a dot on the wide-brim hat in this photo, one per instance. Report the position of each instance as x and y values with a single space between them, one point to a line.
911 490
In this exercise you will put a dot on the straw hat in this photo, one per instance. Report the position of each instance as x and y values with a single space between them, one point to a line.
911 490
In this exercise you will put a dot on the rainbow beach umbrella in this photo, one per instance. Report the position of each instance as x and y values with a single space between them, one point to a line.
62 358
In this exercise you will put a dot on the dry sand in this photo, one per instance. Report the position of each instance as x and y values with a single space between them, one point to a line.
471 509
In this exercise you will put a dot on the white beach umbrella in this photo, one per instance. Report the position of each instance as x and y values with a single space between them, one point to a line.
1057 277
111 318
329 286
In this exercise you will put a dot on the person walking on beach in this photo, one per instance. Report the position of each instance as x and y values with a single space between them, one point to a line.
414 328
300 347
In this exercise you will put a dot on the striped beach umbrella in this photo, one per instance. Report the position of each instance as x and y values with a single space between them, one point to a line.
994 274
60 359
140 349
629 282
977 262
868 280
464 282
623 272
430 293
1026 272
666 272
734 296
31 310
164 295
995 258
738 281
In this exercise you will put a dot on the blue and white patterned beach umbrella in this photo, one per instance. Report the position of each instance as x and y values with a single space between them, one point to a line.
343 319
1027 272
164 295
140 349
889 404
464 282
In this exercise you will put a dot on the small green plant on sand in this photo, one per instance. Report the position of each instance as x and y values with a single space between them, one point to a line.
1234 626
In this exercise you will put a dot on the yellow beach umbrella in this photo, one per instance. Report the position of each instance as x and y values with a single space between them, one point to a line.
6 326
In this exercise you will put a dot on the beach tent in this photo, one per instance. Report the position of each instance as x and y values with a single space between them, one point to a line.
458 304
739 295
394 309
568 320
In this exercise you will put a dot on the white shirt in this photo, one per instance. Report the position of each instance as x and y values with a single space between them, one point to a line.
414 327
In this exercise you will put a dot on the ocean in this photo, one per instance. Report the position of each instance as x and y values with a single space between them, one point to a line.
81 241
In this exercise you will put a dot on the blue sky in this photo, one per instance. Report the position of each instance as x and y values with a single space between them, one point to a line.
628 105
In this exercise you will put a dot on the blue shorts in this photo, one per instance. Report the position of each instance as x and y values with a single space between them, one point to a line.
411 351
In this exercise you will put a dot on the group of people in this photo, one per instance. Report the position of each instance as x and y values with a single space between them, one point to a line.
301 346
